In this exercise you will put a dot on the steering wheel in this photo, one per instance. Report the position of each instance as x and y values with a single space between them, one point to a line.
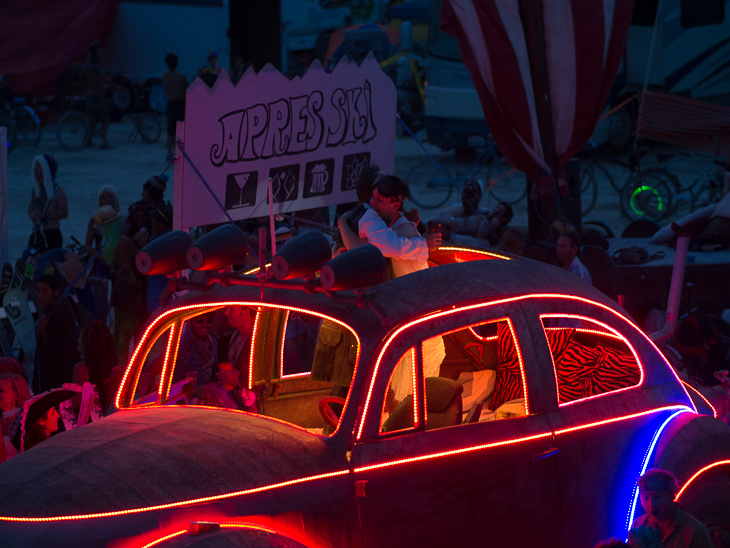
326 411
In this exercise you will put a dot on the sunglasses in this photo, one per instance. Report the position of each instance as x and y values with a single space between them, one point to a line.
200 320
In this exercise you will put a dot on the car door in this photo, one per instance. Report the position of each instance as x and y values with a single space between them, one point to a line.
489 482
609 409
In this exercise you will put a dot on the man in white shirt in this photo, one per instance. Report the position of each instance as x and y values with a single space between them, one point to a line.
567 253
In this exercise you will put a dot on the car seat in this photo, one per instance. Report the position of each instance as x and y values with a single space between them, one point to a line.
443 400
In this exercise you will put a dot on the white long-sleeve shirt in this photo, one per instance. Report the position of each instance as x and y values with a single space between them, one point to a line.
373 229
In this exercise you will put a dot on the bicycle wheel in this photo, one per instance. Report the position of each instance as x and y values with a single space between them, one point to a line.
149 128
72 131
648 197
428 185
508 184
590 174
29 125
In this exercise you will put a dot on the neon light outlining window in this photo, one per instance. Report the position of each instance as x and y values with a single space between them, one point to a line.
589 362
368 419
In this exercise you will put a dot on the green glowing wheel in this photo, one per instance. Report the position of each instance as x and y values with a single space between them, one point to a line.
647 197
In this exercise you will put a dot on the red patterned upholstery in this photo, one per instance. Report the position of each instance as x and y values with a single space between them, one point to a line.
508 378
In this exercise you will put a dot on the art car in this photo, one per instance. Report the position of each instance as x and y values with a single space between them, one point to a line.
442 408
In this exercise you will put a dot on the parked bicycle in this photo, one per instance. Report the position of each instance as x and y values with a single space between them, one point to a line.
432 185
74 128
660 197
642 194
19 119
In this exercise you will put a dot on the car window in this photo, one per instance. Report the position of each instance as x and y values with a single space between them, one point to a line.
473 374
265 360
589 360
148 382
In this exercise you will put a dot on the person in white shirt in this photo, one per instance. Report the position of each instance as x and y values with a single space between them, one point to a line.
567 253
385 226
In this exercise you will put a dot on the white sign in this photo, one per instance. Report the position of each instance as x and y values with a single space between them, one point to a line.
311 135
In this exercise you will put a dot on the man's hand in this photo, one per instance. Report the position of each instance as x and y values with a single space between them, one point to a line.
433 240
412 215
230 376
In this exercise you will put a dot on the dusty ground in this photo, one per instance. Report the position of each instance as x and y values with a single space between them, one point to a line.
131 162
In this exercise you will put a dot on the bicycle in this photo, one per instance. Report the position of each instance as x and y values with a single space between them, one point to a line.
74 127
644 194
432 185
19 119
658 198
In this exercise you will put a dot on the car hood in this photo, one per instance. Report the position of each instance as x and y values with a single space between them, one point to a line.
157 456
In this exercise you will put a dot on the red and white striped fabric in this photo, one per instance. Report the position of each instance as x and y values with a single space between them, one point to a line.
584 41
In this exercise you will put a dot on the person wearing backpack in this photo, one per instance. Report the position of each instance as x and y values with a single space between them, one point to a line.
48 204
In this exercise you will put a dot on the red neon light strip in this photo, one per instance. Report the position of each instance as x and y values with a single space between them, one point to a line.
253 343
478 336
283 341
475 251
170 339
222 526
176 504
690 480
616 334
415 389
163 539
584 330
714 411
514 440
486 305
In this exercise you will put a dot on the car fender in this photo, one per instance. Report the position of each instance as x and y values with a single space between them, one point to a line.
678 449
211 534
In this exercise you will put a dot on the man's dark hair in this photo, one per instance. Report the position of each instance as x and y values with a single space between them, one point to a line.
507 210
364 183
95 52
574 238
51 281
391 186
171 61
471 195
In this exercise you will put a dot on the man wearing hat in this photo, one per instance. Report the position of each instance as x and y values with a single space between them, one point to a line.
677 528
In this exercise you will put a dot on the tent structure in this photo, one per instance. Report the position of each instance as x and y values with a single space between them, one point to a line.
543 70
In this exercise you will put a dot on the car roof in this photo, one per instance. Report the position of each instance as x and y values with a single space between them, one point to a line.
417 293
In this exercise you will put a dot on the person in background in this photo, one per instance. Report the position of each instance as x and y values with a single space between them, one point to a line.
208 73
98 358
96 83
55 336
466 217
175 85
128 285
42 429
48 204
153 191
495 223
14 392
241 318
198 350
102 230
657 491
567 252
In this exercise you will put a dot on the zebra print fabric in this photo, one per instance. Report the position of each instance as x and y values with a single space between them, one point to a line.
508 378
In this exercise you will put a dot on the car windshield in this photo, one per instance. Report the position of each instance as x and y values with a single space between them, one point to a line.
276 362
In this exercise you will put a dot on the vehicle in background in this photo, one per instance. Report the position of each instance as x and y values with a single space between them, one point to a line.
453 113
307 25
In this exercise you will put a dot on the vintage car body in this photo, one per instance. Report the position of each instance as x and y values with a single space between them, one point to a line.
553 473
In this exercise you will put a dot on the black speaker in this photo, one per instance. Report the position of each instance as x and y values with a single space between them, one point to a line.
225 246
302 255
165 254
360 267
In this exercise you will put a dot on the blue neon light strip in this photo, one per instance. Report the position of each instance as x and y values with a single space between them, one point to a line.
647 458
